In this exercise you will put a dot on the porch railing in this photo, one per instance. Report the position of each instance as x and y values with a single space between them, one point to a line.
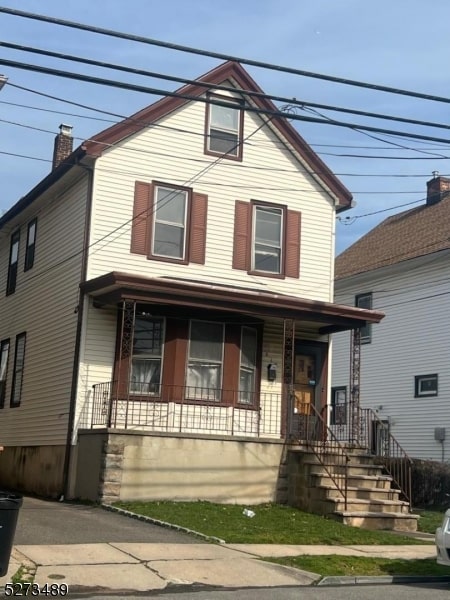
366 430
309 426
181 409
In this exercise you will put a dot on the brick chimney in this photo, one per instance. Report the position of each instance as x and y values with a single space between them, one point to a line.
437 189
63 145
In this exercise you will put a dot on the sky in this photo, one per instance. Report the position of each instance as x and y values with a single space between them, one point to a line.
402 44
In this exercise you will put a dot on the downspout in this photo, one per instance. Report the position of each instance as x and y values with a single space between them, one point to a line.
80 315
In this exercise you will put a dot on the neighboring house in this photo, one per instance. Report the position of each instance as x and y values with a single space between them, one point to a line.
402 267
162 288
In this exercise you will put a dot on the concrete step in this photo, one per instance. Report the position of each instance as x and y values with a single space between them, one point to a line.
372 506
375 520
359 481
330 457
373 493
352 469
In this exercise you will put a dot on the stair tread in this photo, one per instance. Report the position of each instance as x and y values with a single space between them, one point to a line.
366 501
356 488
373 477
364 513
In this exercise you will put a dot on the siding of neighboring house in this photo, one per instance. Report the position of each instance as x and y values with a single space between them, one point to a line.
268 173
413 339
43 306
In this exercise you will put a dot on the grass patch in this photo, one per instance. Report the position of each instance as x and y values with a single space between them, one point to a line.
429 520
272 524
335 565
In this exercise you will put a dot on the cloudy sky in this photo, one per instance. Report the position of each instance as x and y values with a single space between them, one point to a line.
398 43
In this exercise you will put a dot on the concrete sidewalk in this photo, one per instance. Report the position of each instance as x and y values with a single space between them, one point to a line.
155 566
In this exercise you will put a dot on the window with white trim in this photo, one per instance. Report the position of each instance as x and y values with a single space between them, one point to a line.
13 262
365 301
247 372
147 355
19 360
4 356
169 223
224 127
31 245
267 255
205 360
426 385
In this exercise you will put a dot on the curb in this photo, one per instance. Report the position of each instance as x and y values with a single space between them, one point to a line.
383 579
127 513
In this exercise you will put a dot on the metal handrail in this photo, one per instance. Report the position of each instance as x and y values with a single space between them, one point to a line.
394 459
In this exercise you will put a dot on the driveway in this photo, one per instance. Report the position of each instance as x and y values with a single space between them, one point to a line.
49 522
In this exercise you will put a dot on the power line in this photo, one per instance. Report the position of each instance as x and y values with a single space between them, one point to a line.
219 55
207 86
247 108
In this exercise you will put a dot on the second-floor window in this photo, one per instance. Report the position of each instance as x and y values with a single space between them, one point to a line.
31 245
169 223
224 126
365 301
266 239
13 263
4 357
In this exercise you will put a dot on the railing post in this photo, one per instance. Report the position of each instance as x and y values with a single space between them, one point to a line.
288 375
355 369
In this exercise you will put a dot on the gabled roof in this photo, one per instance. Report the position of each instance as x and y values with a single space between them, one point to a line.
238 75
409 234
228 71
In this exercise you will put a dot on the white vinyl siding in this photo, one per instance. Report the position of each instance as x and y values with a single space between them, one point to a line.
45 306
411 340
269 172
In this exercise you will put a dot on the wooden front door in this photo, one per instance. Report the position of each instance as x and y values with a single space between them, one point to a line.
305 381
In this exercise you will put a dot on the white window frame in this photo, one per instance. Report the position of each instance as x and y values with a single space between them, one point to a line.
155 220
5 346
236 105
366 330
281 211
19 364
419 379
201 393
150 357
241 398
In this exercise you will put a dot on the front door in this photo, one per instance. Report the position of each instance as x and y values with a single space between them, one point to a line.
304 383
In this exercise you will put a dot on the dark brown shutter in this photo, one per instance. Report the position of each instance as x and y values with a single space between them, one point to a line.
197 242
292 264
140 230
241 244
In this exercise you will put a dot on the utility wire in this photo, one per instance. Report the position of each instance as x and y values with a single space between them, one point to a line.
207 86
212 100
218 55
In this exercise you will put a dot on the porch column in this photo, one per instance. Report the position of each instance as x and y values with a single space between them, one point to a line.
128 308
355 373
288 376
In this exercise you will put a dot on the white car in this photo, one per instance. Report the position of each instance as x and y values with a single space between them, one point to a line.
443 541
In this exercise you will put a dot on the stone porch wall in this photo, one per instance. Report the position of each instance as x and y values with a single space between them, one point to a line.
116 465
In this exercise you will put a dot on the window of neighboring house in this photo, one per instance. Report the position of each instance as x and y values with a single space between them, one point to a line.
17 380
425 385
4 356
205 360
31 244
147 355
267 242
170 223
266 239
365 301
13 262
224 127
247 379
338 405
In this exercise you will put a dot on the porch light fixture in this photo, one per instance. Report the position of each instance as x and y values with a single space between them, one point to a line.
271 372
3 80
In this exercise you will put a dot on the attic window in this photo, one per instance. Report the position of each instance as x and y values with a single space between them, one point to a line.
224 125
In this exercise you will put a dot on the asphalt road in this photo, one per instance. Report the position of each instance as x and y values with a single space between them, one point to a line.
355 592
49 522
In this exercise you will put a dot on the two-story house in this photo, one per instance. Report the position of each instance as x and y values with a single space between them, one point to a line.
402 268
161 290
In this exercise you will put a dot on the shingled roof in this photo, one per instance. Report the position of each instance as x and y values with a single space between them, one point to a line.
409 234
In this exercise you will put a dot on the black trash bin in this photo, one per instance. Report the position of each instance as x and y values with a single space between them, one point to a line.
9 511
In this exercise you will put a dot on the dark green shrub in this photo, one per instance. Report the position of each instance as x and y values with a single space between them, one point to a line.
430 484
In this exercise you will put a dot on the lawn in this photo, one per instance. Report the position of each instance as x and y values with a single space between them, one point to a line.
272 524
335 565
429 520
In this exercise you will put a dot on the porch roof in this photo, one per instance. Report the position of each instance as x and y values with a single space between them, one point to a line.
114 287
